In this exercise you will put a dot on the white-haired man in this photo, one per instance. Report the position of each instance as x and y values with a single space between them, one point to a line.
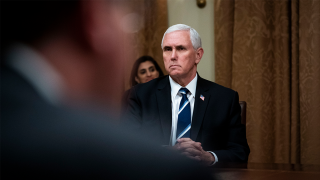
195 116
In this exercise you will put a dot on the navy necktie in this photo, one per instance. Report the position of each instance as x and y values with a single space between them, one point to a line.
184 116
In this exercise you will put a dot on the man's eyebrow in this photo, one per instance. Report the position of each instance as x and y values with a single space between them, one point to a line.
166 47
180 46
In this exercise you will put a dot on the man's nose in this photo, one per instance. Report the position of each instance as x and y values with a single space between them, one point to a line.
173 55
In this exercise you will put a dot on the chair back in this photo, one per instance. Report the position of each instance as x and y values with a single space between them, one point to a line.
243 105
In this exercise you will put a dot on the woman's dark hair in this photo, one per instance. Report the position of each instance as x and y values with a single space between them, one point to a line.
136 65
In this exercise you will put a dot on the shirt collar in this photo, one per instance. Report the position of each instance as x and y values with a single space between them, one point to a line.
34 68
175 87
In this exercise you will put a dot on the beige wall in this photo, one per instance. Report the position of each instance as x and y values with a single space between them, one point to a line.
187 12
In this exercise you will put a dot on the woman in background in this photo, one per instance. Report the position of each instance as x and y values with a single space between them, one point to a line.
144 69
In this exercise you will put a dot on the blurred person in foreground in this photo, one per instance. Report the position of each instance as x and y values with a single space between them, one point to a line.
199 118
57 59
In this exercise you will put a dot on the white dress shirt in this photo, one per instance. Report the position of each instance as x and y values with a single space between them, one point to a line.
175 102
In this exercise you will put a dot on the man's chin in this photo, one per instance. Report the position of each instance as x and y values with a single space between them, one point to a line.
174 74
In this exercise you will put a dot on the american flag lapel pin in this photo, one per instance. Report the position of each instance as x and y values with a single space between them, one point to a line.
202 97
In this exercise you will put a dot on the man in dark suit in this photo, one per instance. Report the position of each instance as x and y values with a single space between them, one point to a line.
158 107
68 59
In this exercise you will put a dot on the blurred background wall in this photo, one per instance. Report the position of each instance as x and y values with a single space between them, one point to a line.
148 22
268 51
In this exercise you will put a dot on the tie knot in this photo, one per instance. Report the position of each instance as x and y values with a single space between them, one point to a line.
184 91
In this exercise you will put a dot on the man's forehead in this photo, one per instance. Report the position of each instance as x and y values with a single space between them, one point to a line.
181 36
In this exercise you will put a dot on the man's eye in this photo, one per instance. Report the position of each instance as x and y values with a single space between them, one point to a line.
167 49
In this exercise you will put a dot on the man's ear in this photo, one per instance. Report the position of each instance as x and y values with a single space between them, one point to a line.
199 54
137 79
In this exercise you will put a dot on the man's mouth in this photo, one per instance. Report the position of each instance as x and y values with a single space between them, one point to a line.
172 66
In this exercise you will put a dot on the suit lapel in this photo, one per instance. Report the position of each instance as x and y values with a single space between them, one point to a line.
200 107
163 94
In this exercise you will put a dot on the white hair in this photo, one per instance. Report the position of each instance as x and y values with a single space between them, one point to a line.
194 36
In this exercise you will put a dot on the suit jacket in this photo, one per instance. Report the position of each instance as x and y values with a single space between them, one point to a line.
216 121
43 141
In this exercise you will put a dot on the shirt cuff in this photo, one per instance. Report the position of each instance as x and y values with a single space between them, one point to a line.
215 158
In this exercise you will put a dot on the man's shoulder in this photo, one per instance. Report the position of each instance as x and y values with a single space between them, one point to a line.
213 87
149 89
154 84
